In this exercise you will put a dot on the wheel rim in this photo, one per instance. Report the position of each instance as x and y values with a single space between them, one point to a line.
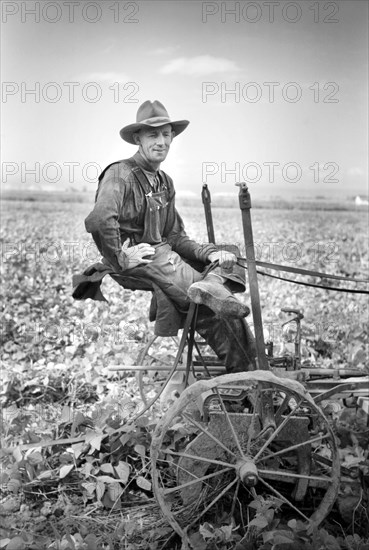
225 461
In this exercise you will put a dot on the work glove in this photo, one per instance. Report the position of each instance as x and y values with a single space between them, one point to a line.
136 255
226 259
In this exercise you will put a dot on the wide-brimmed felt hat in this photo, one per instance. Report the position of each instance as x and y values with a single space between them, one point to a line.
151 114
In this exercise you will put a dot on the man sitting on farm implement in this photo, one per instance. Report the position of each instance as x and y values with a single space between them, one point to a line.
141 237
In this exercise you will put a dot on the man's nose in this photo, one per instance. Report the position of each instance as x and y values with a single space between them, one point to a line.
160 140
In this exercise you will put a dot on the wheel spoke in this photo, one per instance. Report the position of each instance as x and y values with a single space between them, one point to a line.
292 448
209 434
183 470
276 432
214 501
284 499
235 497
282 407
201 458
251 428
231 427
194 481
293 475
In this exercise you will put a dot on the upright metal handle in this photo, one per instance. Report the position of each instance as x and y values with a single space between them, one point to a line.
245 206
206 200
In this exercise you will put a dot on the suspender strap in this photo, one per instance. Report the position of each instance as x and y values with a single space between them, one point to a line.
140 176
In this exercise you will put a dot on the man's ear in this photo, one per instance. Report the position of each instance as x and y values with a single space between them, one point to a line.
136 138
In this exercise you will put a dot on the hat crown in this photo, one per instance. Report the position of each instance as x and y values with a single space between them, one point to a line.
150 109
151 114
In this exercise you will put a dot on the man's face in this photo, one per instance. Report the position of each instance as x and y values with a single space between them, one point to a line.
154 143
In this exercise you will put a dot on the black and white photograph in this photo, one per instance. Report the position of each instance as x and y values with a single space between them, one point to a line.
184 275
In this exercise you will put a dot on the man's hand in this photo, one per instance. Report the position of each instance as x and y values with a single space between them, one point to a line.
136 254
226 259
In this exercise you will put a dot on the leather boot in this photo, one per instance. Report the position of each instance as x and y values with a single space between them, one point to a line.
211 292
231 339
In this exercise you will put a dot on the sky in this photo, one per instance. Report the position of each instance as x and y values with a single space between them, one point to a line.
276 92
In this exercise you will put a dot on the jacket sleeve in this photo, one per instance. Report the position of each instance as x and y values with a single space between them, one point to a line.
176 236
103 221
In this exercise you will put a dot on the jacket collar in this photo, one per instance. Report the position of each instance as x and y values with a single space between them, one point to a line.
142 163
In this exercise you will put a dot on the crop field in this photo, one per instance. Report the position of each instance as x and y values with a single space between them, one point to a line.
44 244
56 354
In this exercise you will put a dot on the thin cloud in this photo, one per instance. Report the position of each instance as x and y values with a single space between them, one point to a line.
164 51
103 77
199 66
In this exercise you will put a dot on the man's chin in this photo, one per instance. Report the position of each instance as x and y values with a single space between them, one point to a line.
160 155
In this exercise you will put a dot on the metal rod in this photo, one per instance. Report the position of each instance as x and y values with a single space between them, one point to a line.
190 342
164 368
206 200
245 206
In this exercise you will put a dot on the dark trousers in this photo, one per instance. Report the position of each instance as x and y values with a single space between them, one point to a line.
231 339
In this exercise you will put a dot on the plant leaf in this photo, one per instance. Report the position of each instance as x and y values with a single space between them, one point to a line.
143 483
107 468
64 470
123 470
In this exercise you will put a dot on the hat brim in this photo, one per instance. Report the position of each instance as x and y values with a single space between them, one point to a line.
127 132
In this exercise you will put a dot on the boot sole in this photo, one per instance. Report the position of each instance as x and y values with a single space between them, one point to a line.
223 308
